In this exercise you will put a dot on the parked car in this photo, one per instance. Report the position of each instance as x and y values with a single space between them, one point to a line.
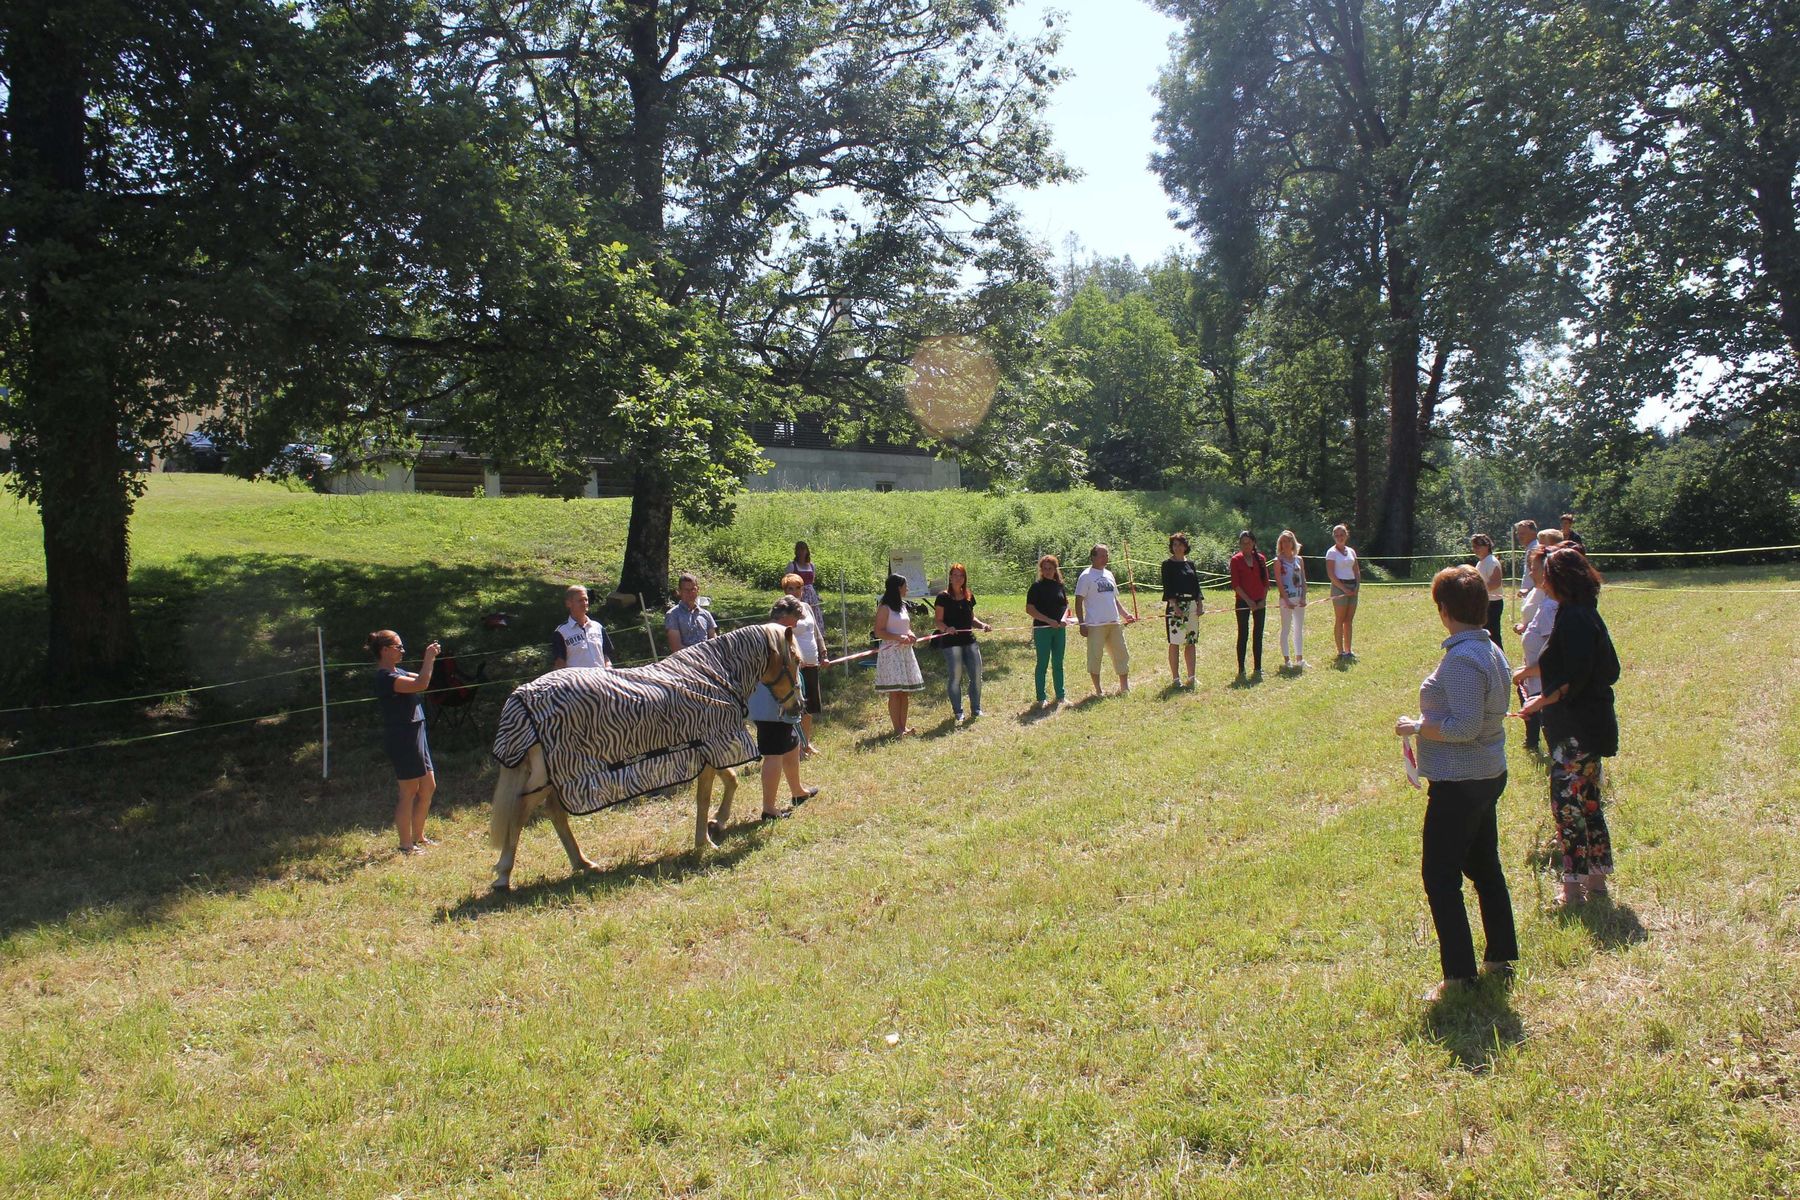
194 452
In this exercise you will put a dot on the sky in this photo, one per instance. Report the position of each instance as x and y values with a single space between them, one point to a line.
1104 119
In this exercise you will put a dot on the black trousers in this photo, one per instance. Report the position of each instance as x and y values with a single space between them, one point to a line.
1496 614
1462 837
1245 614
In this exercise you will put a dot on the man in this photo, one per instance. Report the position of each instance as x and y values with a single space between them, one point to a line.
1101 618
778 734
1570 537
1524 538
579 642
687 623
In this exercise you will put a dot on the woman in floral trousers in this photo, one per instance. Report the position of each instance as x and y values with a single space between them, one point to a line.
1577 671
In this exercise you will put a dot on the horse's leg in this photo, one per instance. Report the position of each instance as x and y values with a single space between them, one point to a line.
559 817
703 810
730 778
511 809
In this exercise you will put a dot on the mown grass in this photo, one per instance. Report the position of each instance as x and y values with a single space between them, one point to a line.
1165 945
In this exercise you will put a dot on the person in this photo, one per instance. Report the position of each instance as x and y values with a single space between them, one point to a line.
688 624
1567 521
1249 569
579 642
896 666
1539 618
777 733
1102 619
1494 576
1575 675
1525 534
1047 604
1290 589
1343 571
809 640
802 565
397 694
956 624
1182 607
1462 751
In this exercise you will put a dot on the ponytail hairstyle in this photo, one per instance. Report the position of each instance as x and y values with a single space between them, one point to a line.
380 640
890 595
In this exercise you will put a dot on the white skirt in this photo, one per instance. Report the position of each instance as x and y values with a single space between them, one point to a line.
897 669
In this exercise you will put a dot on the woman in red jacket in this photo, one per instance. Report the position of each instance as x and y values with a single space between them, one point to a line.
1250 583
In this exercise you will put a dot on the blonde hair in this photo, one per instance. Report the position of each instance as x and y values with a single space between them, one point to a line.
1286 538
1335 528
574 590
791 580
1550 537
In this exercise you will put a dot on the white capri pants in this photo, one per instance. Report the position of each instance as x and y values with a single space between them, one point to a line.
1294 620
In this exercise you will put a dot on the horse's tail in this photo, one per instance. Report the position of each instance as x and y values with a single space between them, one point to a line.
508 817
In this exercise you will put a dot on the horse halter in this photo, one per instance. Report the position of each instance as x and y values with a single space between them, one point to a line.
779 677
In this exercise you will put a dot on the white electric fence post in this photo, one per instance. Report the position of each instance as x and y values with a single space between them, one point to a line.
844 614
649 631
324 712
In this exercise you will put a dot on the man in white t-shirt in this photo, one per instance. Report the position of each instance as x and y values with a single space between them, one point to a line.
578 642
1101 618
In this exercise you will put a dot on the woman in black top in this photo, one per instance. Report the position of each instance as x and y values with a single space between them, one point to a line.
1046 603
1577 671
957 624
1181 606
403 734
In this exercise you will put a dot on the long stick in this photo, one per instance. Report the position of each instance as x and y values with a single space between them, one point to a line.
844 611
324 713
1131 578
649 630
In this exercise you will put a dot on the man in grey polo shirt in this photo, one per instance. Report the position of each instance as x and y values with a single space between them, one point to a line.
688 623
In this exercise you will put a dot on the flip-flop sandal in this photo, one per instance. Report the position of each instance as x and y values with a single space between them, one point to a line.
803 797
782 815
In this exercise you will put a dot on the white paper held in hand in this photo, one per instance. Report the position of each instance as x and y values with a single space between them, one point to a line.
1412 761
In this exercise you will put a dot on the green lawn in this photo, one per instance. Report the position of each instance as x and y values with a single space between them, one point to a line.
1165 945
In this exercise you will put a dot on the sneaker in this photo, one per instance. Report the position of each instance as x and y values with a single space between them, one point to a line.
959 719
977 713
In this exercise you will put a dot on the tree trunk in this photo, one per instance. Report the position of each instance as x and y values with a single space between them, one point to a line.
1362 519
71 443
646 571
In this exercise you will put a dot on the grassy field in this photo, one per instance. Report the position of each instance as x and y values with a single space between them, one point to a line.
1164 945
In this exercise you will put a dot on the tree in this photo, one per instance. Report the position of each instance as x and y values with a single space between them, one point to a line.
804 172
1697 296
282 221
1447 131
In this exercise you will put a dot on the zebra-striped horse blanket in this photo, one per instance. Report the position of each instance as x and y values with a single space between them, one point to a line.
609 735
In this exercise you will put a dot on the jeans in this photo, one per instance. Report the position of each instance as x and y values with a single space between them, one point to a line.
1050 641
1462 837
956 659
1245 616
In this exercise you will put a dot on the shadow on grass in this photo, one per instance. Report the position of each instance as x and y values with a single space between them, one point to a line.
1475 1025
1612 925
741 839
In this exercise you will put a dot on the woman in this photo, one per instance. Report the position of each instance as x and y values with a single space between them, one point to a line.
1575 674
896 666
1046 603
1290 589
809 640
1182 607
1494 576
403 734
1537 617
1250 583
956 625
1343 571
802 565
1462 751
777 734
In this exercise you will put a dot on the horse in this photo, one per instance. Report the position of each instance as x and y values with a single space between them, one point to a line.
579 740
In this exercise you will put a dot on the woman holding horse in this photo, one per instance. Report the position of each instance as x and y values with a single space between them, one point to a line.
397 694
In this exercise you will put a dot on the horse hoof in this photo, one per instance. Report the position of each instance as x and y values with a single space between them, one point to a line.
715 833
502 888
588 868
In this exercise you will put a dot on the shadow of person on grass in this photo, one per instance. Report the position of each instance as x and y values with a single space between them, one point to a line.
1612 925
740 839
1476 1025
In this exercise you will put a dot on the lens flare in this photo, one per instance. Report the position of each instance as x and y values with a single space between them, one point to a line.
950 385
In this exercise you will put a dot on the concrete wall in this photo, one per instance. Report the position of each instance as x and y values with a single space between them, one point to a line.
796 470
